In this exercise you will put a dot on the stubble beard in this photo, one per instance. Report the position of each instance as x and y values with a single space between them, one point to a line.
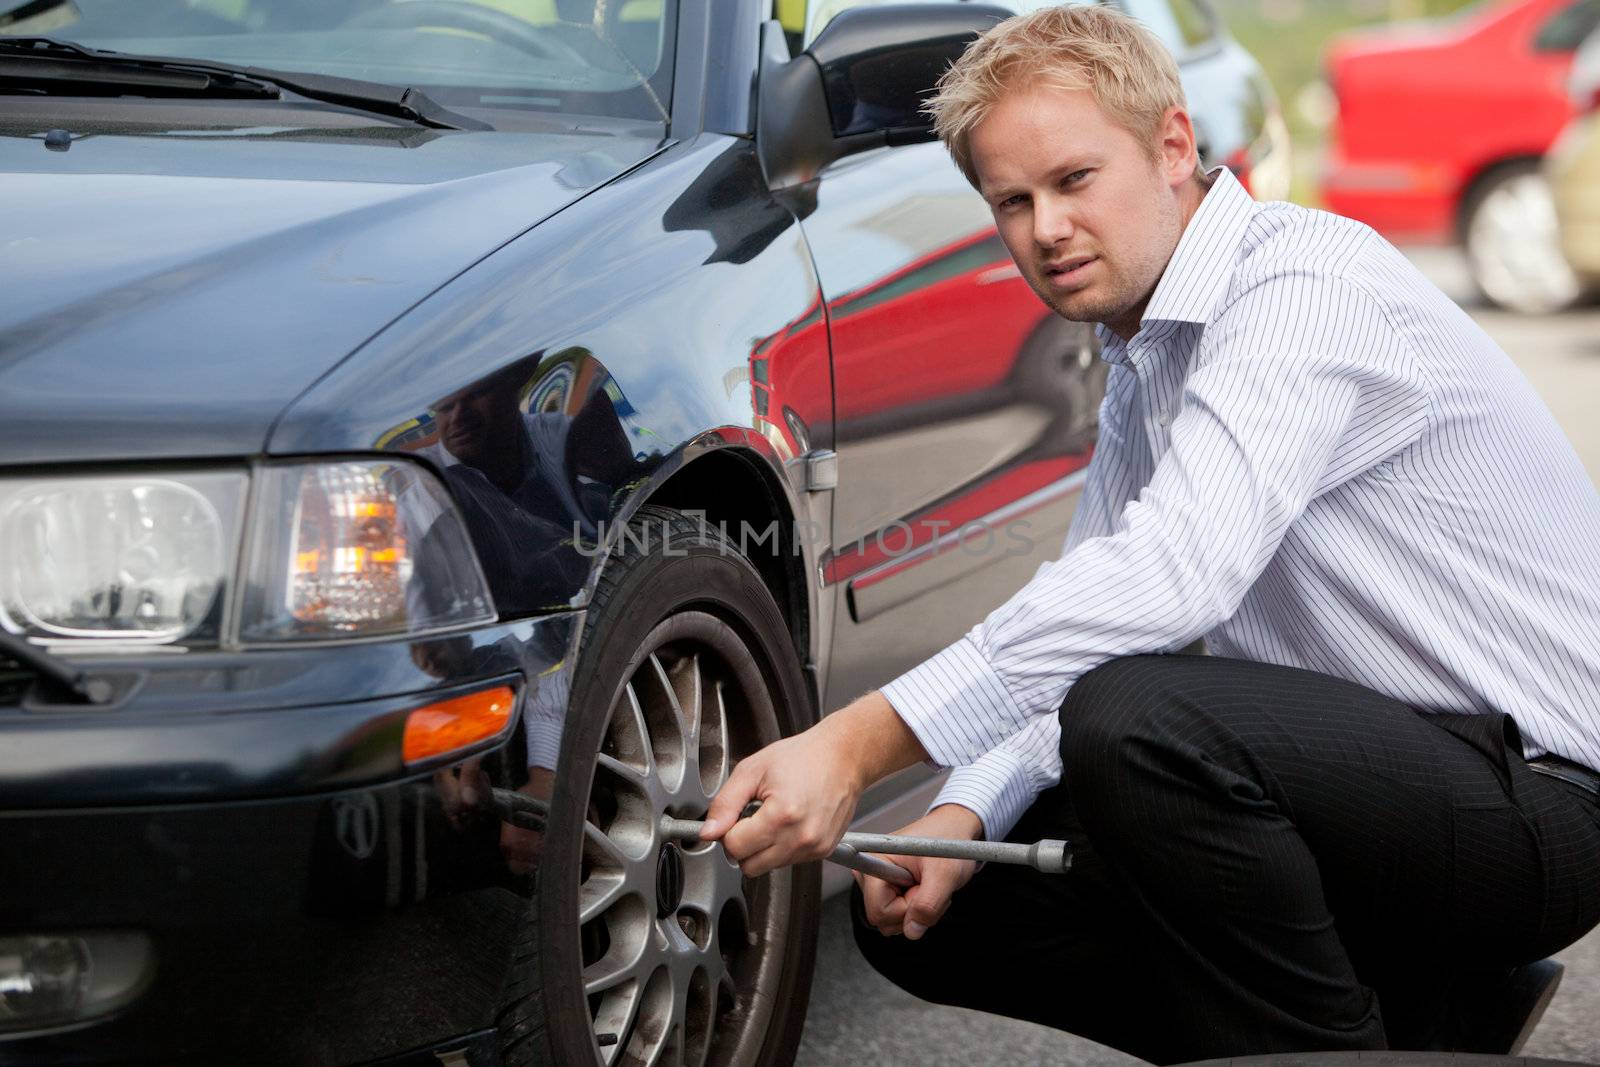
1107 307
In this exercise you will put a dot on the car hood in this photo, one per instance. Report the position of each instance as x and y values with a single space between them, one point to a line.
165 296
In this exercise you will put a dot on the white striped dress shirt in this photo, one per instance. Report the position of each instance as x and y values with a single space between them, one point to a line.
1309 456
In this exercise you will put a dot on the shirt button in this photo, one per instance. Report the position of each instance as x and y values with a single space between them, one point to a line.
1163 419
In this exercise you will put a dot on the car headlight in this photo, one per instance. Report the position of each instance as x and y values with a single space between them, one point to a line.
127 558
344 549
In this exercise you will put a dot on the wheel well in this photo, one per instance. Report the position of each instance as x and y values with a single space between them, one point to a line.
737 493
1480 178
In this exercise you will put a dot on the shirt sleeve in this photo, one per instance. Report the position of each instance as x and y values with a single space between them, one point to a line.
1298 385
1001 783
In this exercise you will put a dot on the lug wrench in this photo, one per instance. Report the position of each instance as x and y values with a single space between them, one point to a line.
1051 857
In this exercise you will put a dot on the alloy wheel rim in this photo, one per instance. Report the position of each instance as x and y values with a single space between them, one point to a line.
684 980
1514 242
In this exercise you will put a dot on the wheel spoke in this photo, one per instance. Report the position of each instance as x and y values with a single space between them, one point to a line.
700 1021
616 1017
669 1053
630 734
684 681
688 684
652 1034
624 770
598 892
620 964
680 1007
730 888
714 762
663 722
602 849
741 900
681 716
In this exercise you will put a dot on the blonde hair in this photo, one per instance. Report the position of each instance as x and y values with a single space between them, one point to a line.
1128 71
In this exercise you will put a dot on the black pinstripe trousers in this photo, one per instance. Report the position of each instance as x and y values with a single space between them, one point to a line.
1266 859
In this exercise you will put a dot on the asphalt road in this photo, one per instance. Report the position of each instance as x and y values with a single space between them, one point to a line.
857 1017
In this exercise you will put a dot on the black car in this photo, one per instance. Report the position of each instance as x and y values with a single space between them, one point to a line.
436 439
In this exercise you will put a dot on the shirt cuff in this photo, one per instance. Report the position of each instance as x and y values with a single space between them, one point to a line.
997 789
544 742
955 704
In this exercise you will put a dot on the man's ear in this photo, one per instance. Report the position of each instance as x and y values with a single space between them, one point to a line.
1178 155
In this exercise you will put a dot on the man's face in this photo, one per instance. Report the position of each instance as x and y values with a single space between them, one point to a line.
1089 216
475 421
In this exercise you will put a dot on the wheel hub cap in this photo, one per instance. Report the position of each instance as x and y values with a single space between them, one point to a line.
669 880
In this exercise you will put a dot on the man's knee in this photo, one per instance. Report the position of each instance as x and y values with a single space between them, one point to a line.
1119 699
1116 714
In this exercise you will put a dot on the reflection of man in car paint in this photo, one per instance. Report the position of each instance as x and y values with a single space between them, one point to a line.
549 462
465 790
526 479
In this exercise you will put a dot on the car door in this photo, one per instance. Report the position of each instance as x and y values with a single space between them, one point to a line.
965 410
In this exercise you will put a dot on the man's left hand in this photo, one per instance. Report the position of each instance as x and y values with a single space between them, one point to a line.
892 910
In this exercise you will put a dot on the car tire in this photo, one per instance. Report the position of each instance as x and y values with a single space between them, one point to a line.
1059 367
666 949
1512 242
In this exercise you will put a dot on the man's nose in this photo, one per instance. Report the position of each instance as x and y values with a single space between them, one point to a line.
1052 222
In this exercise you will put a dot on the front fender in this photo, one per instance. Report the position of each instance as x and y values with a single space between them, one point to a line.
565 378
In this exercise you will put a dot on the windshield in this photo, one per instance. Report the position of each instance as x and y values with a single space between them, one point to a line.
596 57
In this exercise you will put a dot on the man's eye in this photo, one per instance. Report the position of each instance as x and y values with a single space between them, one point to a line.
1075 177
1012 201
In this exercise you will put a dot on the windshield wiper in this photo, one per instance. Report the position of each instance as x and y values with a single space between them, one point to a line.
45 14
44 61
39 62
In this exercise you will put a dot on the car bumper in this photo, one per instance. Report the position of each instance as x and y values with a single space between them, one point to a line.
1403 200
291 917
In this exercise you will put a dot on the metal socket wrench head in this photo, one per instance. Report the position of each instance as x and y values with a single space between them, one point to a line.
1052 857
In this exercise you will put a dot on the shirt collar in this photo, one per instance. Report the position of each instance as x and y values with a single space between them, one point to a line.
1201 265
1195 277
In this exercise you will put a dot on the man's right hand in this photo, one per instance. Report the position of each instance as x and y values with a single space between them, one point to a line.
892 910
808 786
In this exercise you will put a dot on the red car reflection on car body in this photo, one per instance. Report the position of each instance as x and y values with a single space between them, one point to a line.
1440 131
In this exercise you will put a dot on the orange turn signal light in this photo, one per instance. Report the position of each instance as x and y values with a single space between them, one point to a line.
450 725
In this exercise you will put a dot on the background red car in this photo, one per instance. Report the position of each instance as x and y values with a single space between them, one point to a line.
1440 131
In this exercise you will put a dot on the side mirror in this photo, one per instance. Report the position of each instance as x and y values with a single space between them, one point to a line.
860 85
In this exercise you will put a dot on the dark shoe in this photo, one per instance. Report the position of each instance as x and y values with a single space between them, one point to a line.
1496 1014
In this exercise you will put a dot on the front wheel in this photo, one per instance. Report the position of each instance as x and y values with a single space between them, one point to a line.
653 951
1513 243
